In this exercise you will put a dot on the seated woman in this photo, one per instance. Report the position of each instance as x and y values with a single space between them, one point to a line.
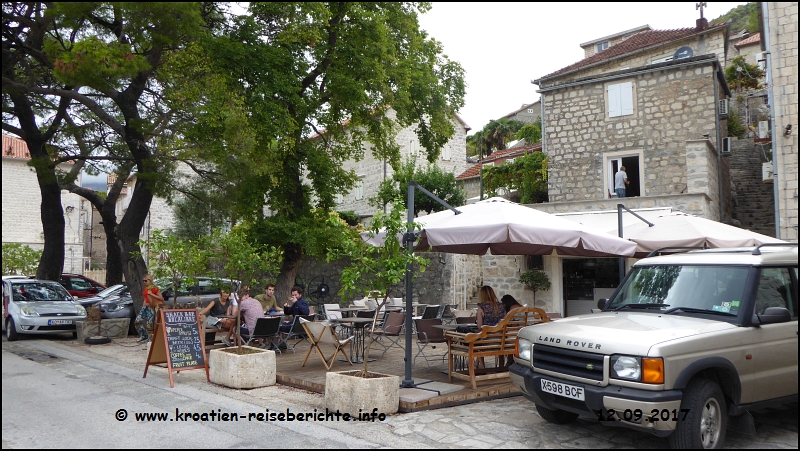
509 303
218 308
490 312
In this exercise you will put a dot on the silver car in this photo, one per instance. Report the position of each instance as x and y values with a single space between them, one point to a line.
33 306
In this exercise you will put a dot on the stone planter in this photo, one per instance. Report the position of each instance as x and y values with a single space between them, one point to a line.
111 328
242 371
348 394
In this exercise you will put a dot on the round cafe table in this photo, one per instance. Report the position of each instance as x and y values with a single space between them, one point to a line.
359 344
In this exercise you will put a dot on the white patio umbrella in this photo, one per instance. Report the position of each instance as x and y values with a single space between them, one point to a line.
681 229
507 228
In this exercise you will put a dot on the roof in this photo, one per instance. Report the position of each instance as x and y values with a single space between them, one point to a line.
616 35
752 39
475 170
524 106
14 147
635 43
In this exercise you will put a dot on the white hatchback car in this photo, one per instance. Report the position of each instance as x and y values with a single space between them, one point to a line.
33 306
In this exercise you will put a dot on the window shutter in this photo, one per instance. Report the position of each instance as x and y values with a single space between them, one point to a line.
626 98
614 107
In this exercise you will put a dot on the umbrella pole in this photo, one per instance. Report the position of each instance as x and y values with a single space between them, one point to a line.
619 227
408 239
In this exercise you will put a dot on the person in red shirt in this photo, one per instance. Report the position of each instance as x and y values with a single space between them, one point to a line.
152 300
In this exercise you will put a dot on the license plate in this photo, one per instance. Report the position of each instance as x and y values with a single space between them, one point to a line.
567 391
59 322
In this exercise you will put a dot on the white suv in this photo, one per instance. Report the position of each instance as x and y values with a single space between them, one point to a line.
684 342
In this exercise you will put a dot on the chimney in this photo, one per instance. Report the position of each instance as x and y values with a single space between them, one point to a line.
702 24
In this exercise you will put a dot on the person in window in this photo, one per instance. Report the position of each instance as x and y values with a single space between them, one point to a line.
490 312
297 305
621 182
152 300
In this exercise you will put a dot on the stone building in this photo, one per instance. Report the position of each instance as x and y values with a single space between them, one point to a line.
528 113
22 219
779 27
372 171
470 179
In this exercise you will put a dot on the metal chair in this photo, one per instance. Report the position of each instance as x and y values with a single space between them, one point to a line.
324 334
446 314
392 329
297 332
265 328
427 335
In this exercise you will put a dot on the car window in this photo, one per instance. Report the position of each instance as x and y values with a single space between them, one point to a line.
31 292
80 284
775 290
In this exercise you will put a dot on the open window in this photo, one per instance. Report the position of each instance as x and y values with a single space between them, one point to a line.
632 160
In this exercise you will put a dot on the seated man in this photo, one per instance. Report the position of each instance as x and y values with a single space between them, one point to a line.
250 309
268 301
297 305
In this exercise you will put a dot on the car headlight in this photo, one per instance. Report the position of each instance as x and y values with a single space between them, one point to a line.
626 367
29 311
112 307
81 310
524 349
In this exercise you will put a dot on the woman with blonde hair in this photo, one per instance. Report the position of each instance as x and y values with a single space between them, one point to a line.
152 300
490 312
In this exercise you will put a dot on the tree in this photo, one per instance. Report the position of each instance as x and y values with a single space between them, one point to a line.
742 76
103 58
432 178
531 133
318 80
526 174
19 259
180 260
535 280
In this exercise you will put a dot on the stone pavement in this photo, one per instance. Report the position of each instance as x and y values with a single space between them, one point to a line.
504 423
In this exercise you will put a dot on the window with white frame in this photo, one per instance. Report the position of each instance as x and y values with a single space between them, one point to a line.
601 46
530 110
509 160
413 148
447 152
359 189
633 161
619 99
490 164
338 198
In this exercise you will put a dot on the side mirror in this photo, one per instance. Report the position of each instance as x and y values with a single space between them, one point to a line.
774 315
601 303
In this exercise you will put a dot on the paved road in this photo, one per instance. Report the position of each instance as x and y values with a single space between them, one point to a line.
57 394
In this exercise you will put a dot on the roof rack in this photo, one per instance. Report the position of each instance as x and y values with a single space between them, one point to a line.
757 250
660 250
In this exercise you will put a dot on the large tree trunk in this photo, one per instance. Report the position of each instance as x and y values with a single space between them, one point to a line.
292 255
52 213
127 234
114 272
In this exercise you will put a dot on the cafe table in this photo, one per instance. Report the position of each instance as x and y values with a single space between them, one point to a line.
358 346
347 310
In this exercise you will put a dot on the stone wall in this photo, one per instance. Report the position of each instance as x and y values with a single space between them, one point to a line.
783 68
671 106
754 202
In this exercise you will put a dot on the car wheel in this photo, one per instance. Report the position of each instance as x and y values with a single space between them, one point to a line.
706 419
556 416
96 340
11 330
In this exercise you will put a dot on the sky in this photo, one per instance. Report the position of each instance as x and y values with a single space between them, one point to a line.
503 46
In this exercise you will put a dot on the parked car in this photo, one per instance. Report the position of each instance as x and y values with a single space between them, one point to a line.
81 286
204 290
32 306
686 341
115 302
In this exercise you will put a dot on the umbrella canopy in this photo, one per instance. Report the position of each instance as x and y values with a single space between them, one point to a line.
506 228
681 229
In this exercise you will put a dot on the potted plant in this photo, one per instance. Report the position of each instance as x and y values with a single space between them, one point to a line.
241 259
371 270
535 280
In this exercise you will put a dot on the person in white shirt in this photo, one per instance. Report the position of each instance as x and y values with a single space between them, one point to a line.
621 182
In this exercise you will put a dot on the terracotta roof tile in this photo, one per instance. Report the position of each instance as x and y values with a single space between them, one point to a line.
14 147
475 170
632 44
754 39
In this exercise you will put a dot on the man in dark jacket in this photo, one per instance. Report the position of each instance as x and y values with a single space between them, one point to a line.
297 305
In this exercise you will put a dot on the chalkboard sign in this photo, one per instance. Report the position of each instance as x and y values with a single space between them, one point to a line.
177 342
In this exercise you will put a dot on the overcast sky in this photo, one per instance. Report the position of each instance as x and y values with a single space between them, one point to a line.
503 46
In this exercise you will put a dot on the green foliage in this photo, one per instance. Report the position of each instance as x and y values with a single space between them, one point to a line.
350 217
195 217
180 260
20 259
442 184
735 127
742 17
531 133
535 280
375 269
494 135
242 258
526 174
742 76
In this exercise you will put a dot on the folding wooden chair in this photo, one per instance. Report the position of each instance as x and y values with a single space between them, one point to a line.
321 333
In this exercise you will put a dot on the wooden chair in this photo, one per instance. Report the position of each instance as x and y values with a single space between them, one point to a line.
321 334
